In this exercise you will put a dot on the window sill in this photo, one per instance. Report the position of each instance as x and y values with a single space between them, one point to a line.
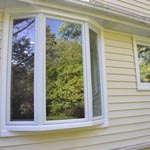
143 87
35 129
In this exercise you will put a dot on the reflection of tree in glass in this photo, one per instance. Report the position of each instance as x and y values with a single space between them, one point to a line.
22 74
144 62
64 75
70 31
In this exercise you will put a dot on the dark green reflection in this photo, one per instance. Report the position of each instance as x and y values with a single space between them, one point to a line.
22 70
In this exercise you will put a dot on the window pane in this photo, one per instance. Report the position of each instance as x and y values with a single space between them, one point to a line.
95 74
144 63
22 70
64 71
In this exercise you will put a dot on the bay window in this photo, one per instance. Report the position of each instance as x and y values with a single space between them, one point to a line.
55 73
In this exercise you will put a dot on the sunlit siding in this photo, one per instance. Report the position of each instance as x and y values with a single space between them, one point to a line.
138 7
127 105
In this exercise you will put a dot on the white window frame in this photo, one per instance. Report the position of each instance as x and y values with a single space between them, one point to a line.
40 124
9 73
84 74
98 32
141 41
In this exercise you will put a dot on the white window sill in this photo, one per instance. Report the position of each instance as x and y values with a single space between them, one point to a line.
35 129
143 86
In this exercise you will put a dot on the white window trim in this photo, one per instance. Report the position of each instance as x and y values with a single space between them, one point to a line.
38 125
146 42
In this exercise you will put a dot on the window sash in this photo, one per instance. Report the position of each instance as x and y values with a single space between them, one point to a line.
84 62
9 74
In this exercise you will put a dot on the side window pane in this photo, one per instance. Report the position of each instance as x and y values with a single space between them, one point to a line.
64 71
95 74
22 70
144 63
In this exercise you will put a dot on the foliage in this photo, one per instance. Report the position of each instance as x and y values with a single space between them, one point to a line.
144 58
70 31
22 79
64 73
64 78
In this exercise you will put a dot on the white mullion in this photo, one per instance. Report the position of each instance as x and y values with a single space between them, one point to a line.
8 80
101 66
4 60
39 70
102 60
44 70
88 73
84 47
136 62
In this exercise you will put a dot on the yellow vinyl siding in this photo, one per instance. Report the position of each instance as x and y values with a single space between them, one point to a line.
128 109
138 7
115 140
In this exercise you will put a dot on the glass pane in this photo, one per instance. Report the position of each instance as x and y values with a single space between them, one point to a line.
22 70
64 71
144 63
95 74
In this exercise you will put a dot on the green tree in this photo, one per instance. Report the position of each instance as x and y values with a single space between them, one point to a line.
22 70
64 80
144 58
22 79
70 31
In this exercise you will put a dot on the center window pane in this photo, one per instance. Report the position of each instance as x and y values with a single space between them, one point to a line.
64 70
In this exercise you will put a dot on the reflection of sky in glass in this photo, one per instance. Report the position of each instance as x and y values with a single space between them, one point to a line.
29 32
54 25
25 28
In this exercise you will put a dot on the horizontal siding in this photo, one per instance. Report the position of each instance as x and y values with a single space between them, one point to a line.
128 99
120 71
36 142
74 135
127 105
126 113
129 110
138 7
129 92
113 145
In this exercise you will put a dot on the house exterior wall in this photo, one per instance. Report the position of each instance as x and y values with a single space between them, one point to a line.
129 109
138 7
